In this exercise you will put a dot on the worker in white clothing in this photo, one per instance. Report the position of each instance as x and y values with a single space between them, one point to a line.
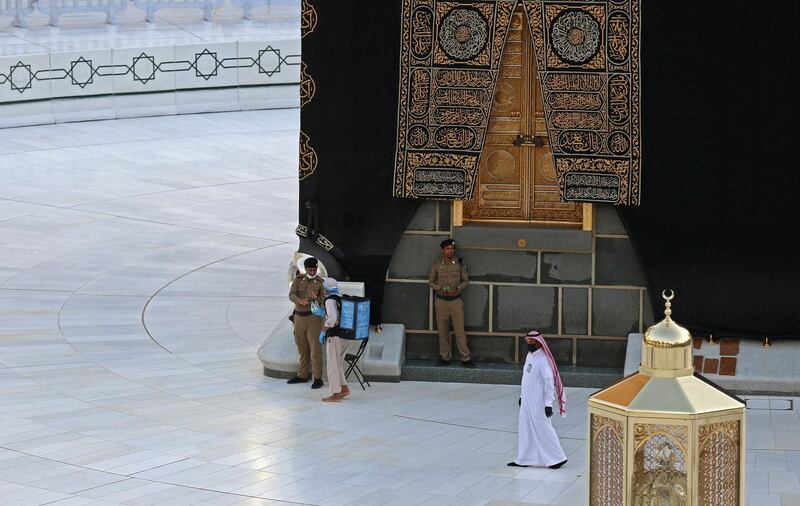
335 346
541 387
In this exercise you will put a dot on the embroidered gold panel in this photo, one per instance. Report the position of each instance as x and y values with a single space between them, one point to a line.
308 19
307 85
450 53
308 157
587 57
606 464
719 467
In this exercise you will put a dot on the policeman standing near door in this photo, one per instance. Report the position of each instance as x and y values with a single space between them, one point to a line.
448 278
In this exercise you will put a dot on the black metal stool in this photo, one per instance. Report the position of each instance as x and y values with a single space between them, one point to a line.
352 364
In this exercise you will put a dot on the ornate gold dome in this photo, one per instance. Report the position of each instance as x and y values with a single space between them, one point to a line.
667 333
666 345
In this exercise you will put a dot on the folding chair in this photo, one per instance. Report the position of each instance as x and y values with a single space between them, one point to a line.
352 364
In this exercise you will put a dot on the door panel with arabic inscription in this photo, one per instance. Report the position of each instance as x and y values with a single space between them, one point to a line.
502 189
517 179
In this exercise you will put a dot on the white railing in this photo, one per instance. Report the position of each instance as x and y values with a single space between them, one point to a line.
151 6
17 8
55 8
247 6
21 9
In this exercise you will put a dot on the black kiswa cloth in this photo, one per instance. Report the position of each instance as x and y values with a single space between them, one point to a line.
351 122
718 220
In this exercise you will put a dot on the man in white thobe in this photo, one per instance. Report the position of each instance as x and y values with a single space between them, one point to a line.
541 386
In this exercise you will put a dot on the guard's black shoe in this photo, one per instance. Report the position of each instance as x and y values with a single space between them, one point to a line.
297 379
442 361
514 464
469 364
556 466
317 384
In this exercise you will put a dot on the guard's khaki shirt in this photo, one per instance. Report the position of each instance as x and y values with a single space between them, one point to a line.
304 288
448 273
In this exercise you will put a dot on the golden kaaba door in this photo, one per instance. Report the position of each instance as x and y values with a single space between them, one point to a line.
517 179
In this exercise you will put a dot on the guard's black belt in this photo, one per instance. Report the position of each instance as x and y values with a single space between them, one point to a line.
448 297
302 313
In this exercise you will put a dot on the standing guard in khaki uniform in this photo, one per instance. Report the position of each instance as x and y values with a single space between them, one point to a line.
448 278
305 289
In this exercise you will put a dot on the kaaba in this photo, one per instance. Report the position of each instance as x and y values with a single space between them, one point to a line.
584 155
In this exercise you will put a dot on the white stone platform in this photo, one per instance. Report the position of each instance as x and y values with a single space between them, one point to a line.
141 268
382 359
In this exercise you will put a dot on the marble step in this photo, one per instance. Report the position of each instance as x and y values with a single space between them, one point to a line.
516 237
504 374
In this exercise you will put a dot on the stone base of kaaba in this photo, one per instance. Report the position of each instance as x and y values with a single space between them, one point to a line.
382 360
584 290
505 374
742 366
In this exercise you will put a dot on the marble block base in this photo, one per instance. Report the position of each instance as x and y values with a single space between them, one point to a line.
382 360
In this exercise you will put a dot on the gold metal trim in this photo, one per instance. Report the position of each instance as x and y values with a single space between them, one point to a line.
545 223
588 217
458 213
666 373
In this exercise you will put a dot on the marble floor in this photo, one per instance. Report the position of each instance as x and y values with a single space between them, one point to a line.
281 20
142 262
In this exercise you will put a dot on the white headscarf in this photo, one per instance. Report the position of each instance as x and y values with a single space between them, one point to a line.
331 286
559 386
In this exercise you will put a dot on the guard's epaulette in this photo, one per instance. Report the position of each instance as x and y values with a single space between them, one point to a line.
461 261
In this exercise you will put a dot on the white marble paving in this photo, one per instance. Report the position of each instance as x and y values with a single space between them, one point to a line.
143 261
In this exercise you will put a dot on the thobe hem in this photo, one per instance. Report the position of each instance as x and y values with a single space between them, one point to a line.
538 464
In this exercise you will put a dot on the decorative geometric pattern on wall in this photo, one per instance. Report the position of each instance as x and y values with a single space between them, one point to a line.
205 64
587 59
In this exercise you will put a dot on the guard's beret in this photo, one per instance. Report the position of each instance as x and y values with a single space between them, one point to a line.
310 262
447 242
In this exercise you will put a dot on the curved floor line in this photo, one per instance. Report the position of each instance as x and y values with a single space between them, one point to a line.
144 309
228 309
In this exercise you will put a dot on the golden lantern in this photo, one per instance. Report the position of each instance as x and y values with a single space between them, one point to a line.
666 436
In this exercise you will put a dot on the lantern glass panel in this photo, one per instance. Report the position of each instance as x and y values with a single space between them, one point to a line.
659 465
